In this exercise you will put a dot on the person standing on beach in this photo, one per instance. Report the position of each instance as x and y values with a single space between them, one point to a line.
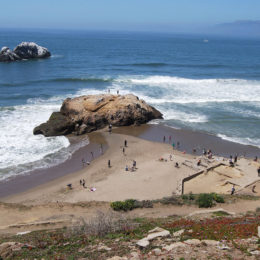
92 155
233 190
164 138
235 159
125 143
109 164
124 150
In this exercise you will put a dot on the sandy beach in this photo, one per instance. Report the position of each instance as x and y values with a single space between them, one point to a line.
154 177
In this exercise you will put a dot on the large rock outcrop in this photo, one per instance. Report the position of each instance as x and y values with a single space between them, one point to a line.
25 50
88 113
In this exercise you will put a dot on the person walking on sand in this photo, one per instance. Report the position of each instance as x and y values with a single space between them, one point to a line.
109 164
125 143
233 190
83 162
80 182
110 128
134 164
124 150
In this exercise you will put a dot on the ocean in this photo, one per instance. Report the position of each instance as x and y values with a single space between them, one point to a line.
207 84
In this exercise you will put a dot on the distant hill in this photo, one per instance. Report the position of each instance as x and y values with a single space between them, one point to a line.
239 28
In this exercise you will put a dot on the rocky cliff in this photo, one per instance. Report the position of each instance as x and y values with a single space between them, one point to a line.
25 50
88 113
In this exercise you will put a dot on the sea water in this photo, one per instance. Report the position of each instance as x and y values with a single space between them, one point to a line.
202 83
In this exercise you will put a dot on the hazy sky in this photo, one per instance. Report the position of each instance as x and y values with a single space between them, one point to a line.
125 14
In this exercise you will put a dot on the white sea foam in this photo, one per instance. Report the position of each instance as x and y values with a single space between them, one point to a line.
18 145
183 116
240 140
182 90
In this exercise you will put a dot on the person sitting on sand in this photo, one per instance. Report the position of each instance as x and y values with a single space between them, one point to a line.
83 183
170 157
126 167
253 189
176 165
255 159
69 186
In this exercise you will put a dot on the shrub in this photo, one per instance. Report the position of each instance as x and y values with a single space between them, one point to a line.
218 198
123 205
205 200
184 197
191 196
130 204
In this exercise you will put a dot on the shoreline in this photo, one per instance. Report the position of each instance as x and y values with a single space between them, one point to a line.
153 133
37 177
189 140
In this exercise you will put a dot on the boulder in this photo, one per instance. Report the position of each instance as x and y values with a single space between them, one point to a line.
88 113
25 50
31 50
7 54
155 233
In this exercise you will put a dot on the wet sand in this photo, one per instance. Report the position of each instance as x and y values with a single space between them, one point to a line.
189 140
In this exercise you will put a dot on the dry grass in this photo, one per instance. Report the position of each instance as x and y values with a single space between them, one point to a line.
103 224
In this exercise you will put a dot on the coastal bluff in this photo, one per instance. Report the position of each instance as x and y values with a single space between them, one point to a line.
85 114
24 51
